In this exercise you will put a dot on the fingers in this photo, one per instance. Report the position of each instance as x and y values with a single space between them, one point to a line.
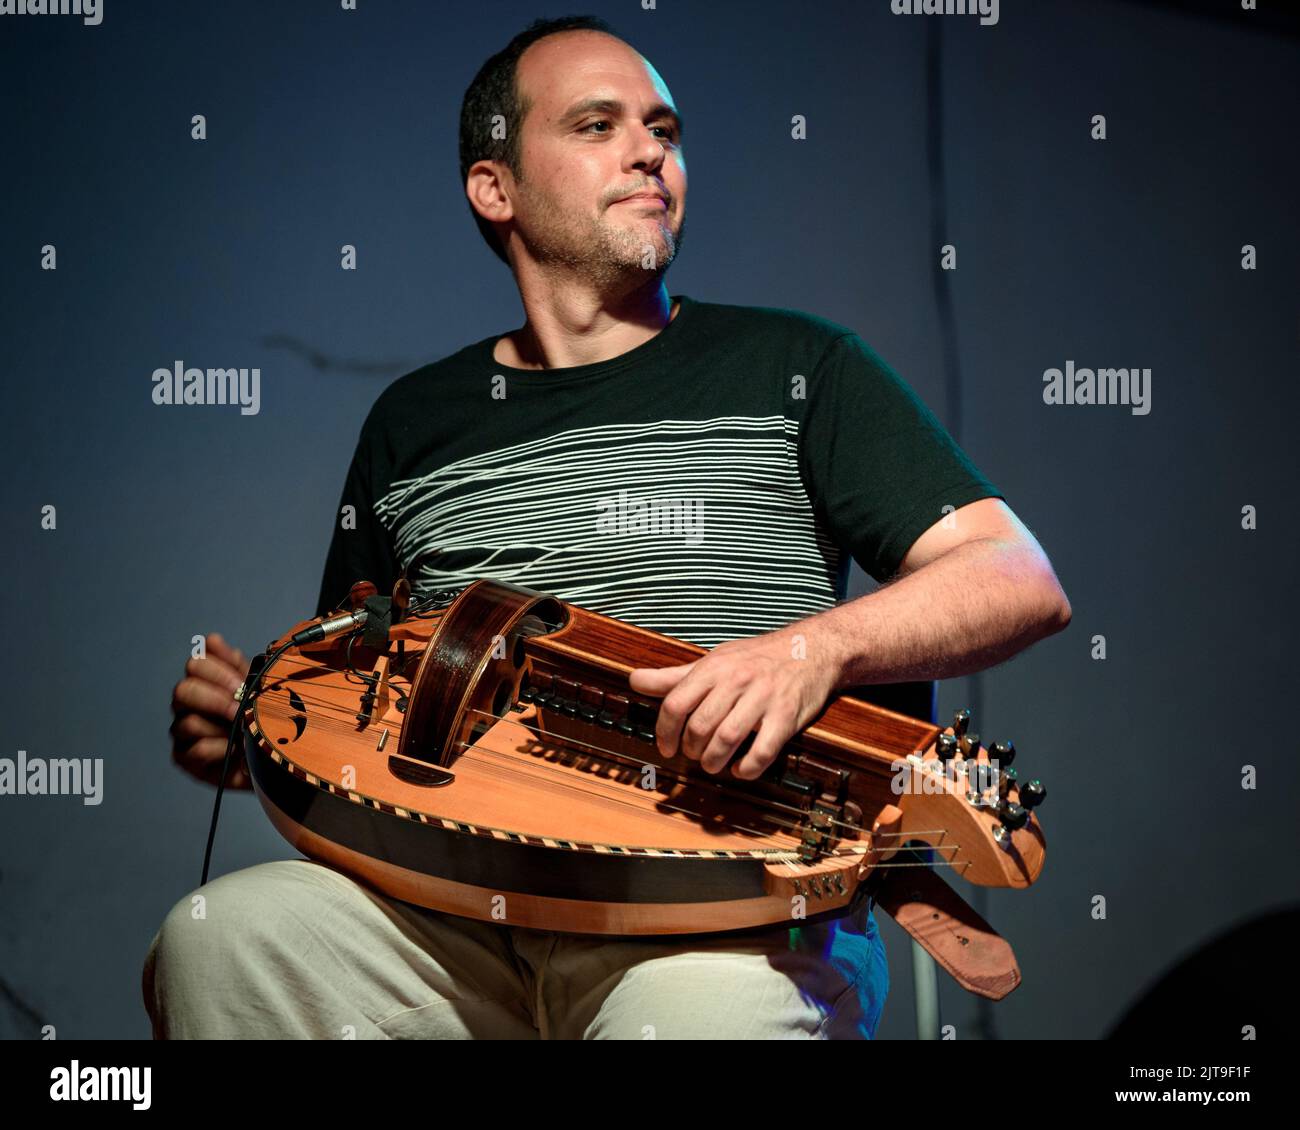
209 687
217 647
204 706
733 729
658 680
778 726
192 725
674 711
216 671
204 758
205 696
704 720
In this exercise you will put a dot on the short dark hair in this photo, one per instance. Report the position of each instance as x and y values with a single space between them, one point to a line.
493 91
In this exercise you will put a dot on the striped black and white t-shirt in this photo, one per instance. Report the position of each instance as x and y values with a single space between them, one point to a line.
710 484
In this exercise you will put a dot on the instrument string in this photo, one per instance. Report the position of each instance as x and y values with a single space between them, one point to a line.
546 738
556 740
840 852
332 719
331 706
508 763
336 717
493 769
953 847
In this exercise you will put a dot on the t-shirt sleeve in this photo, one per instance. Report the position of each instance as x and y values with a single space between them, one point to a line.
360 549
878 466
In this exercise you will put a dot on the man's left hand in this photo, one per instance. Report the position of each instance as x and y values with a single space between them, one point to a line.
710 706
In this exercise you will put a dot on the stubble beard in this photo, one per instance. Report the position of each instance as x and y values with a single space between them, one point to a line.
607 253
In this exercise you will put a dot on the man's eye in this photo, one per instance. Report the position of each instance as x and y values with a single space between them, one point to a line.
672 133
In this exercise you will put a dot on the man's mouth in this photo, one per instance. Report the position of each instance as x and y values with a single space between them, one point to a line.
645 198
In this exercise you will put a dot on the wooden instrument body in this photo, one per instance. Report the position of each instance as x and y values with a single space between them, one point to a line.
502 770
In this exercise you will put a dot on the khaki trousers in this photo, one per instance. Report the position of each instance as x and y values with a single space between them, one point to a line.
295 949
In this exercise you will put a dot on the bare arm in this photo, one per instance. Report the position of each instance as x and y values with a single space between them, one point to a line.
969 595
973 590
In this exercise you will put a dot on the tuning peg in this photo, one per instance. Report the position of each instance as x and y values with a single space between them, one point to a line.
945 745
1004 753
1032 793
960 720
1013 816
980 776
970 746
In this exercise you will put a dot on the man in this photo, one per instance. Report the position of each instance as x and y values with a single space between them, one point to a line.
700 469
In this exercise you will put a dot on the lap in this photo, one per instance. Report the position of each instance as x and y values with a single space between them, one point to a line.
822 981
296 948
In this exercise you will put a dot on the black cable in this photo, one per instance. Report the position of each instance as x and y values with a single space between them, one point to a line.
421 608
252 688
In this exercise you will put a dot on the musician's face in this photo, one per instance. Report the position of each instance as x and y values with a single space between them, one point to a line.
577 163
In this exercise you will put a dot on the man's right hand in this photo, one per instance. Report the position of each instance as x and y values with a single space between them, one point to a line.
204 706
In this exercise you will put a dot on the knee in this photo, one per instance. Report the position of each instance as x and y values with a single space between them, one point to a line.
223 914
212 936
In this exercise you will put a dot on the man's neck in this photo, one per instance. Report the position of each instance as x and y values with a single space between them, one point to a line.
568 328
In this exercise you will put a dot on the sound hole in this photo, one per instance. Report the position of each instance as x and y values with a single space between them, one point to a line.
416 773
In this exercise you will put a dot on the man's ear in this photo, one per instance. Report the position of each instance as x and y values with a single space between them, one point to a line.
488 185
